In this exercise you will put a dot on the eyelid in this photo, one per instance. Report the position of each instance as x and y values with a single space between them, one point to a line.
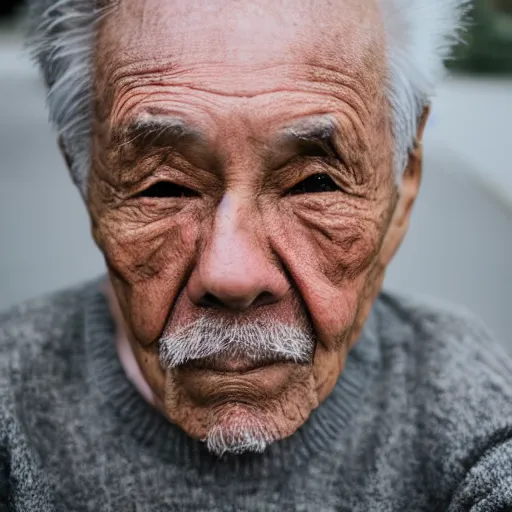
325 159
139 193
175 170
332 152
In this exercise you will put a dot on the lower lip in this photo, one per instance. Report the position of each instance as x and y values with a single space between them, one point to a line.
206 383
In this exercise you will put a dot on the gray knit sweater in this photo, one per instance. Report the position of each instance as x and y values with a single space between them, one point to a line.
420 420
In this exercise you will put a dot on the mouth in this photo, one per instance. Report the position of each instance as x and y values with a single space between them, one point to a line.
239 377
220 364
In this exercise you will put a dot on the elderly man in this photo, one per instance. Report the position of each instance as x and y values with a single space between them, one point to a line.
249 168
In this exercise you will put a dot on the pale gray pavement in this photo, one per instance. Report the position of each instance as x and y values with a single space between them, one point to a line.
460 242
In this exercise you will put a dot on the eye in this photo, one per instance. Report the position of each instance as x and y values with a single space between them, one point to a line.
167 189
315 184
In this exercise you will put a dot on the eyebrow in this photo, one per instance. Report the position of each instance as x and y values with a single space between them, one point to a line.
311 134
318 129
306 136
158 131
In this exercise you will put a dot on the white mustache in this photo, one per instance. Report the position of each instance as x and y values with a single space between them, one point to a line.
254 341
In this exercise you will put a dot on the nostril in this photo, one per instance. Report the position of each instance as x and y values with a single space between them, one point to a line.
264 299
208 300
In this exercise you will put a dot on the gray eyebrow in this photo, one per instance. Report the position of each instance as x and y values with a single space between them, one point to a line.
156 131
307 134
319 129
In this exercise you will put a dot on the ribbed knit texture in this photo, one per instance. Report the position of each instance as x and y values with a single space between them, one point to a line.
420 420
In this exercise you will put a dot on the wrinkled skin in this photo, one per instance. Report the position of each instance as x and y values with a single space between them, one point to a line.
239 73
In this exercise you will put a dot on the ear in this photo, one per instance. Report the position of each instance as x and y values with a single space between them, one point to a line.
64 152
69 164
408 191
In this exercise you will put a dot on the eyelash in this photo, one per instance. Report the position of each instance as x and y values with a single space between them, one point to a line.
167 189
315 183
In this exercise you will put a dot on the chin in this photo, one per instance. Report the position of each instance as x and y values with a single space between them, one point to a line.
238 429
241 412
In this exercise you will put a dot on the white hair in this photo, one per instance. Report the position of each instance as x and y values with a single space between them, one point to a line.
420 35
250 436
256 341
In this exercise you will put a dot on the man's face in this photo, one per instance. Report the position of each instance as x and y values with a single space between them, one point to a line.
242 190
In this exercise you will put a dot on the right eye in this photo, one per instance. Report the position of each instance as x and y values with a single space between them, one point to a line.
317 183
167 189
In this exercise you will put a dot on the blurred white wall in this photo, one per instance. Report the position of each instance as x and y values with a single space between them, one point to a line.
459 246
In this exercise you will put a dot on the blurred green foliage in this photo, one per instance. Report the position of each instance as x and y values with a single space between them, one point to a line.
488 40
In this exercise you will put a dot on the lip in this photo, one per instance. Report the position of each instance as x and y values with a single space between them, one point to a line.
222 365
250 382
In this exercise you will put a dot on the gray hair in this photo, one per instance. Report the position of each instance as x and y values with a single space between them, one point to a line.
420 35
256 342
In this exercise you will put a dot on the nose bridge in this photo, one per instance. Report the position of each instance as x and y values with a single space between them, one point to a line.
235 269
235 231
235 260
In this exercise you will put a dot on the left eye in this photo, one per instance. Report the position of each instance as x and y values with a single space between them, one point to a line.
315 184
167 189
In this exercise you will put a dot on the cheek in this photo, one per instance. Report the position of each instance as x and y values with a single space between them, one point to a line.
148 263
149 364
328 249
343 238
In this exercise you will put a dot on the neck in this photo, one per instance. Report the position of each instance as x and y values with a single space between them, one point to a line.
124 348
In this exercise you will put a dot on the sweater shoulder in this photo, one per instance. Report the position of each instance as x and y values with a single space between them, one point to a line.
456 388
446 343
457 377
33 325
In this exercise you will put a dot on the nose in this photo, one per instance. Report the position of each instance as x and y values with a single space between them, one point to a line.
236 270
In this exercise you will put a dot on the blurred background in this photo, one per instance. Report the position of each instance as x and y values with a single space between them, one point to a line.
459 247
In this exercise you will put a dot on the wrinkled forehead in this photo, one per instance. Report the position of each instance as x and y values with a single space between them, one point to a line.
339 34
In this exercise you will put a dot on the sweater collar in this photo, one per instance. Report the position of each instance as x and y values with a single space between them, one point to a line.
321 432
